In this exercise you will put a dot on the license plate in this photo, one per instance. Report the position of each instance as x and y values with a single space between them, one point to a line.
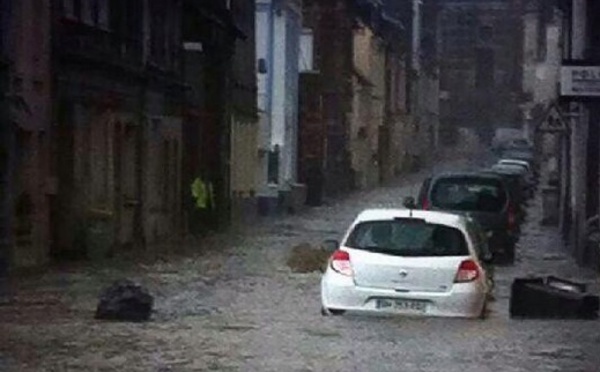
402 305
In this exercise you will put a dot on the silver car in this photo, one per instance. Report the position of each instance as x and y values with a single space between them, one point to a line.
409 262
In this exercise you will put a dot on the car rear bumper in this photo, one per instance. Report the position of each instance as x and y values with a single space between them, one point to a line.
462 300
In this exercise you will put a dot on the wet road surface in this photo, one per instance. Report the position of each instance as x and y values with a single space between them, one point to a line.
242 309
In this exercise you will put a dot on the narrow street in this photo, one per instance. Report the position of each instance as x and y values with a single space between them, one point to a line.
240 307
182 145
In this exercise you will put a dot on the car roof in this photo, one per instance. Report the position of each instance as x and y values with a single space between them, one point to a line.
514 163
520 160
469 174
435 217
502 171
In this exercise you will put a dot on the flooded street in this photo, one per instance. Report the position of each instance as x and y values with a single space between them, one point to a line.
300 185
240 307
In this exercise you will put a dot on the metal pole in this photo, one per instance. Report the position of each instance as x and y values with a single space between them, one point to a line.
6 155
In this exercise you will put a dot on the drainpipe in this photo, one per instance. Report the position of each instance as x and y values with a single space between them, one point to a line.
7 144
141 161
578 137
416 34
416 103
5 209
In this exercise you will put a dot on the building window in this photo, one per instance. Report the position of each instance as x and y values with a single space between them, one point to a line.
485 68
159 26
593 22
273 166
175 161
486 34
24 211
102 14
164 176
87 15
306 51
541 49
70 8
91 12
25 144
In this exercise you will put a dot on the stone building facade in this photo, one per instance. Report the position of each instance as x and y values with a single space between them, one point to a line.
580 134
117 125
480 71
26 131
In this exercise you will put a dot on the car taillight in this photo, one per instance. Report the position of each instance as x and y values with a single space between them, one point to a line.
340 262
512 217
468 271
425 203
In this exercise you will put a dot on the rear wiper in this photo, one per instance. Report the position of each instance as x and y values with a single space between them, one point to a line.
375 248
414 254
378 249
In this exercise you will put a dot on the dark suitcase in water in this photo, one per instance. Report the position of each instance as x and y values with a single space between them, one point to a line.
552 298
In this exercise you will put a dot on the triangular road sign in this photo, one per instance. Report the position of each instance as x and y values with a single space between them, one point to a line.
553 120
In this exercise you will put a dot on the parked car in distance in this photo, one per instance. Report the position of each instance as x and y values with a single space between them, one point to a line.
519 154
522 163
528 181
516 190
485 197
519 144
514 181
405 261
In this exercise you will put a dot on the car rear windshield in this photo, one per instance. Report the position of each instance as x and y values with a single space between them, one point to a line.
407 237
469 194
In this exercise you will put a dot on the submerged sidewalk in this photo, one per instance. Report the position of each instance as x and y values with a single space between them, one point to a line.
541 251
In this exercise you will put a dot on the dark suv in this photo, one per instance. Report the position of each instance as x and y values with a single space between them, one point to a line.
483 197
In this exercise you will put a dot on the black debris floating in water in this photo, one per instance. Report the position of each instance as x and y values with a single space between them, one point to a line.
125 300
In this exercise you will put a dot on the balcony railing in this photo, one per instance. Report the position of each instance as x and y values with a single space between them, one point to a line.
83 41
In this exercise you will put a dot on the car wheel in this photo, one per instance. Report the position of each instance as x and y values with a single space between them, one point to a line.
484 311
328 312
506 254
510 253
491 285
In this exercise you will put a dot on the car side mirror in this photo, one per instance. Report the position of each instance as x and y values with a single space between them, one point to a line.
409 203
331 245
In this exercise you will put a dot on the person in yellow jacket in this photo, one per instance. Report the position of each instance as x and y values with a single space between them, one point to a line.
203 194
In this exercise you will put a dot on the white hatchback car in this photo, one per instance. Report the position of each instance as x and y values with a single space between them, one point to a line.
409 262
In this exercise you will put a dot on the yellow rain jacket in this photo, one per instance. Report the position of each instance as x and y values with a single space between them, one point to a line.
203 194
